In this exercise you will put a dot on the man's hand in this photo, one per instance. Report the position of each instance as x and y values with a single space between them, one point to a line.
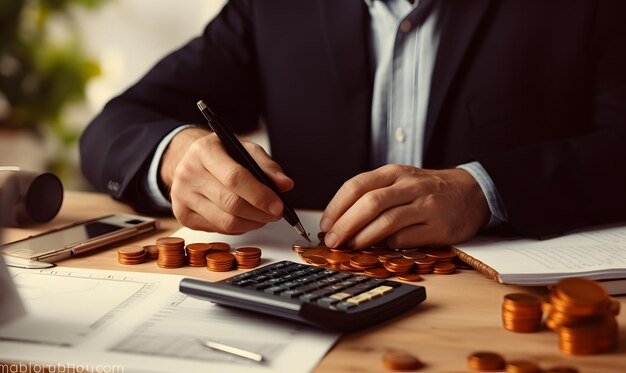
212 192
407 207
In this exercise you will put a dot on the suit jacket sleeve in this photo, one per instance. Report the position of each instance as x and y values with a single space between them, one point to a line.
555 186
218 67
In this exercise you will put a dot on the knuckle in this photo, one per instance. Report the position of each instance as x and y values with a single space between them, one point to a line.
233 176
229 200
389 221
353 186
373 201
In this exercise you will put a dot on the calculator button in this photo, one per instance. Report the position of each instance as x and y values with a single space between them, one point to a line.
341 296
314 295
383 289
275 289
327 301
344 306
358 299
295 293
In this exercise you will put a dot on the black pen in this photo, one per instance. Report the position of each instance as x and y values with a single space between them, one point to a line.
241 156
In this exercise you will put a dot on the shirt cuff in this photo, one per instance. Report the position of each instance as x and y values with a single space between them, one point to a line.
496 206
154 191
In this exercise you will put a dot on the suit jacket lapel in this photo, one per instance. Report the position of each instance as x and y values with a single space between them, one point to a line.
460 21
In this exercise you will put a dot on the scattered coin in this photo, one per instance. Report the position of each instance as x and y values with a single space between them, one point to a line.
401 361
377 272
522 366
484 361
412 277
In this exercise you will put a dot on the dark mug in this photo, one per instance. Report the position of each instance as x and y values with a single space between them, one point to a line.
28 198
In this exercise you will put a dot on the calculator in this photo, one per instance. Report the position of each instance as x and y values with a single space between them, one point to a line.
317 296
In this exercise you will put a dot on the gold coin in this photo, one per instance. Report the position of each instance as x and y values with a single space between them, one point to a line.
485 361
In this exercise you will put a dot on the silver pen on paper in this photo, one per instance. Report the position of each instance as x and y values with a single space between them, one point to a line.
233 350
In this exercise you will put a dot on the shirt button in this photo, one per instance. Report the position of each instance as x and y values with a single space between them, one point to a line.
405 26
400 136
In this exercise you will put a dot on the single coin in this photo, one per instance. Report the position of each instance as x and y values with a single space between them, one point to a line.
401 360
152 251
425 262
338 258
444 267
220 256
412 277
484 361
413 254
301 245
317 260
522 300
581 291
440 255
522 366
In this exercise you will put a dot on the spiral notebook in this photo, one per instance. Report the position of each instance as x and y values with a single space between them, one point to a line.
598 254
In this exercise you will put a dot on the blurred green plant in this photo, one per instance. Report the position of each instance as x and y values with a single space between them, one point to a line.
43 65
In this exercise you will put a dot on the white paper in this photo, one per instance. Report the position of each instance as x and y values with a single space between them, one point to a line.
10 304
598 253
136 322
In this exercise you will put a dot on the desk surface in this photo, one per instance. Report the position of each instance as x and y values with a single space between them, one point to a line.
461 314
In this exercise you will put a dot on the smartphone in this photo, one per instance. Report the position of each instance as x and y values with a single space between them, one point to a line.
79 237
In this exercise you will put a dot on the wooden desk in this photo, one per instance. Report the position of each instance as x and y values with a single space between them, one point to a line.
461 314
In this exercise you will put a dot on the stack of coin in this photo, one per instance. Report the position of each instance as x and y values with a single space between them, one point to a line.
171 252
220 261
399 266
425 265
484 361
317 260
521 313
152 251
522 366
377 272
440 255
443 268
364 261
583 314
219 246
248 257
335 259
131 255
196 254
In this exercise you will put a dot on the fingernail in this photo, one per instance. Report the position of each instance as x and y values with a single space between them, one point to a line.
325 224
330 240
276 208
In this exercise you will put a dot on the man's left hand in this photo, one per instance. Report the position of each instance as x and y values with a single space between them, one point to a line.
407 207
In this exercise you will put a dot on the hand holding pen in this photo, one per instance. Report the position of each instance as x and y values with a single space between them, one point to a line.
210 191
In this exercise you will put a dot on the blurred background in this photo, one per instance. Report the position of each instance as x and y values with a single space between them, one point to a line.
62 60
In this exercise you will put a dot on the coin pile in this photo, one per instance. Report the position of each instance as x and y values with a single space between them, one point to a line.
486 361
248 257
378 260
171 252
196 254
584 316
399 360
521 313
131 255
220 261
152 251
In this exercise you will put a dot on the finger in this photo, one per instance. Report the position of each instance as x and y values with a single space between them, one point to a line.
239 180
230 202
354 189
208 217
387 224
418 235
272 169
368 209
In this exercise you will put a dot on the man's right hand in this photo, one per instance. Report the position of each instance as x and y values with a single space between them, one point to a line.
211 192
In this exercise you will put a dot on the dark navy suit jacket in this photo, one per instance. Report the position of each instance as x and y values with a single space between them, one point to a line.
533 89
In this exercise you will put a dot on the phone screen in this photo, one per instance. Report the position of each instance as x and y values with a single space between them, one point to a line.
65 237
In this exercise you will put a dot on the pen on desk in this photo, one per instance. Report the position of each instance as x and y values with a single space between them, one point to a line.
241 156
233 350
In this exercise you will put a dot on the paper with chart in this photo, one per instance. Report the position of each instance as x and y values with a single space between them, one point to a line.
143 323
